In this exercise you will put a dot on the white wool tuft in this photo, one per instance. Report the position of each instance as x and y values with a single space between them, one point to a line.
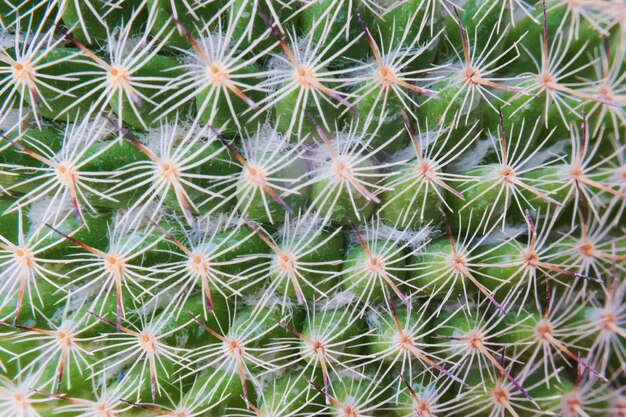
366 72
300 224
373 318
212 44
552 152
424 140
131 220
405 154
473 157
346 144
409 238
386 3
319 156
269 300
280 64
266 141
10 120
83 134
499 235
118 39
216 223
339 300
265 380
7 40
153 138
37 211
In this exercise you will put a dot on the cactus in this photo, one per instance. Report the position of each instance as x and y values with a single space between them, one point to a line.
312 208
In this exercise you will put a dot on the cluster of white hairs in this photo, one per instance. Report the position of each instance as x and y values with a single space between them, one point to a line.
293 208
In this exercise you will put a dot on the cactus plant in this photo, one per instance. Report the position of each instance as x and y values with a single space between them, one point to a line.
347 208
